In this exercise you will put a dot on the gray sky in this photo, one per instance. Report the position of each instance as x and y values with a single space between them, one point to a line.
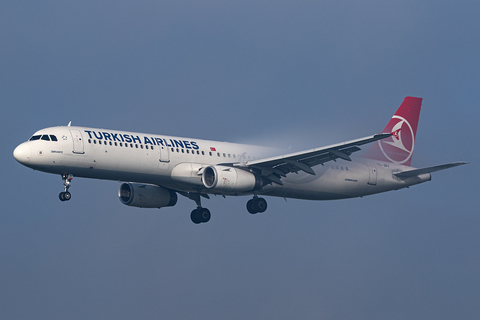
284 73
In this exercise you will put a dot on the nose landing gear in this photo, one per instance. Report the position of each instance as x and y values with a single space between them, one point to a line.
67 179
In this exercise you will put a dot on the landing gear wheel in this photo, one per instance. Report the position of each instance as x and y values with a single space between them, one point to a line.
261 205
250 208
65 196
204 214
200 215
195 217
256 205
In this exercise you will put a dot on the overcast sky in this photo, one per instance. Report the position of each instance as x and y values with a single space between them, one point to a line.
283 73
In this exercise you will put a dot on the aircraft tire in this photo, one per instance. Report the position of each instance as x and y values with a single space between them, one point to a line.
61 196
250 207
195 216
67 195
204 215
260 205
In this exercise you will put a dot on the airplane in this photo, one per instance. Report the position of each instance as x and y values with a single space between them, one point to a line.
157 168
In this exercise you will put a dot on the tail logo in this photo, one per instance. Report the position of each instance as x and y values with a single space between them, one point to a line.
400 148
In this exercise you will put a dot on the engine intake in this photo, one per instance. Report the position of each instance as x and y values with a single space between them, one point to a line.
146 196
228 179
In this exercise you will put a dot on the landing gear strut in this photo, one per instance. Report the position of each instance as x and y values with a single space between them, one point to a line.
199 215
67 179
256 205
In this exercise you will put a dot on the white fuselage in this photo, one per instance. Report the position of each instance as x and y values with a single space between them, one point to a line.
173 162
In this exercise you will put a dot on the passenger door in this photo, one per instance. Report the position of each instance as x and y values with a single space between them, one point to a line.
77 141
372 174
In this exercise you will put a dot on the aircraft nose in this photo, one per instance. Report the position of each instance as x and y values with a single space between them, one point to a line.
22 153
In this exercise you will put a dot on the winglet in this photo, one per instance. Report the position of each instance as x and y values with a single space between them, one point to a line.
69 124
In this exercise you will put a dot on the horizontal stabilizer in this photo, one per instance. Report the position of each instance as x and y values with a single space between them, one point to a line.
416 172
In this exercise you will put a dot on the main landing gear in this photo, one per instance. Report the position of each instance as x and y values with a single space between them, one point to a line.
202 215
256 205
67 179
199 215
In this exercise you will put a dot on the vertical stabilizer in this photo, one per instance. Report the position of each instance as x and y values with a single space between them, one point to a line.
403 127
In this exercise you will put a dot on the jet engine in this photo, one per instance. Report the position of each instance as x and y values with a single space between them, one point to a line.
228 179
146 195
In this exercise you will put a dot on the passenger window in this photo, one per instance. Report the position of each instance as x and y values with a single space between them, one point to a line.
115 143
110 142
35 138
105 142
203 153
94 141
89 141
45 137
210 153
53 138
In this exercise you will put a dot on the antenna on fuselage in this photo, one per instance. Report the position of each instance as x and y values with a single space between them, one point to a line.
68 125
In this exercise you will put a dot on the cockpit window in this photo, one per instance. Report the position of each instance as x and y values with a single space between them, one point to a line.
35 138
53 138
45 137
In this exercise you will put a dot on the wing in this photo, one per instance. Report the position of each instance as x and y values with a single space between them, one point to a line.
274 168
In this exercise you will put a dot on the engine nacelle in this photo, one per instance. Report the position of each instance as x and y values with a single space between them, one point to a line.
228 179
146 195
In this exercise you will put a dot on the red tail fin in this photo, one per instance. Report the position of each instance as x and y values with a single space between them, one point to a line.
403 127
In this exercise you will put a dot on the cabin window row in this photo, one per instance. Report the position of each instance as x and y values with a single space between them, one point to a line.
210 153
121 144
198 152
